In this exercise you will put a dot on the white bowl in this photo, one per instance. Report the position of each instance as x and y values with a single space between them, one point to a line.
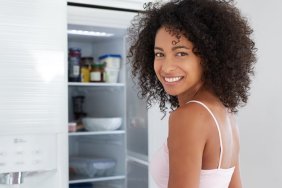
101 124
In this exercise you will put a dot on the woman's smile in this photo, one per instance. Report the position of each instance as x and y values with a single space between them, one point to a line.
173 79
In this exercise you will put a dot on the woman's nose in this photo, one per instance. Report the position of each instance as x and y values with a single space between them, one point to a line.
168 66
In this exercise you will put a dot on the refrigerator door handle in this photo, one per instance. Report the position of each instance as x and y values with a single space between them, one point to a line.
11 178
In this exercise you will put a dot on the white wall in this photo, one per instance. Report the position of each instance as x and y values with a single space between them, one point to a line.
261 120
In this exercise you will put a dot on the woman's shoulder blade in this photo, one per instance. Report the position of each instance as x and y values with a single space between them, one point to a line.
188 120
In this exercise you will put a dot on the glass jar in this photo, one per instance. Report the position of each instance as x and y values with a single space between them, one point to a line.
74 64
85 69
97 73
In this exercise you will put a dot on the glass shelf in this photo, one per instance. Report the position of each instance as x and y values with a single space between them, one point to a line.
138 157
80 179
96 133
95 84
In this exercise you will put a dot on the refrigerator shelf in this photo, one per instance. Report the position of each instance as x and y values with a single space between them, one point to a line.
138 158
96 84
80 179
96 133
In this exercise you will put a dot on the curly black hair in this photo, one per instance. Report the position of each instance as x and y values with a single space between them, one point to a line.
221 37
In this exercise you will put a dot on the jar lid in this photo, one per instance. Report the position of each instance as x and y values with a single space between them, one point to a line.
72 123
74 49
109 55
86 58
98 65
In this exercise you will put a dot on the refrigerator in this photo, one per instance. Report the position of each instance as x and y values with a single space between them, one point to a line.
33 94
36 96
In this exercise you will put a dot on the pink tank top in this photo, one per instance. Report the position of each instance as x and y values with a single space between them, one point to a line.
214 178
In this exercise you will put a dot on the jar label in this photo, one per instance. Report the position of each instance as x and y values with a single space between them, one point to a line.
95 76
75 70
85 74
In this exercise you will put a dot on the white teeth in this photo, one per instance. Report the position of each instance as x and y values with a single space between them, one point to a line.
174 79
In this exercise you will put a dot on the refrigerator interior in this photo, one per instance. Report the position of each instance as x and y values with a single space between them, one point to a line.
99 147
101 100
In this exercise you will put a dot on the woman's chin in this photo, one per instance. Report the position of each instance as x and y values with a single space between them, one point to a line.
171 92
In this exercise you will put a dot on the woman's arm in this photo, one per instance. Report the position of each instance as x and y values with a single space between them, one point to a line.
187 137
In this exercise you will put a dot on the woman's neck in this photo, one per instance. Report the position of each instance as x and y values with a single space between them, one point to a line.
190 95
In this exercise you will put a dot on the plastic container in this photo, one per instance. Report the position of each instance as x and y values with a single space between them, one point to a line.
72 126
111 61
112 64
92 167
111 75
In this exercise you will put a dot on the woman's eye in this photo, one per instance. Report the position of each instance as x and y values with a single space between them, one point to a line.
181 54
158 54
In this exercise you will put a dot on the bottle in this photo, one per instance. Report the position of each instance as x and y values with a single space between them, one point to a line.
97 73
78 110
85 69
74 64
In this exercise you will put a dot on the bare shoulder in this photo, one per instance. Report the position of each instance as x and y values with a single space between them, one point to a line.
189 116
189 122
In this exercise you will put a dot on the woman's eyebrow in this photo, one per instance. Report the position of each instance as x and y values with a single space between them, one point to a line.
173 48
158 48
177 47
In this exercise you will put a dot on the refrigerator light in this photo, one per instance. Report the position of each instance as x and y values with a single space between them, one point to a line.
90 33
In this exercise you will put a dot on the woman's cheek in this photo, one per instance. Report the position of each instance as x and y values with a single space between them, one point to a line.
157 68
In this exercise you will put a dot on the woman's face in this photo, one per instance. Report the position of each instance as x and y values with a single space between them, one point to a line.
176 66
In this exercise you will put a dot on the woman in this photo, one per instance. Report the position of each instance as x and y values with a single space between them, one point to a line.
197 56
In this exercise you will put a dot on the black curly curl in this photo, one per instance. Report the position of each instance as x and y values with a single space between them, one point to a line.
220 35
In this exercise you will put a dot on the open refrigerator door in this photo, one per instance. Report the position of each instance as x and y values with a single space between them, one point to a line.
33 105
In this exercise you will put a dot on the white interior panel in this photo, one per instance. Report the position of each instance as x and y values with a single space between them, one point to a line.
99 17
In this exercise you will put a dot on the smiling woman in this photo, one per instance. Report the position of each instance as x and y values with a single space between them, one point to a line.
198 56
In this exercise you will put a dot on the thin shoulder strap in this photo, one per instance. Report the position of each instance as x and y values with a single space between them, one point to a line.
217 125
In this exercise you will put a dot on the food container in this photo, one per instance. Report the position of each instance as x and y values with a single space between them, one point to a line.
101 124
86 63
92 167
111 75
111 61
72 126
74 58
112 64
